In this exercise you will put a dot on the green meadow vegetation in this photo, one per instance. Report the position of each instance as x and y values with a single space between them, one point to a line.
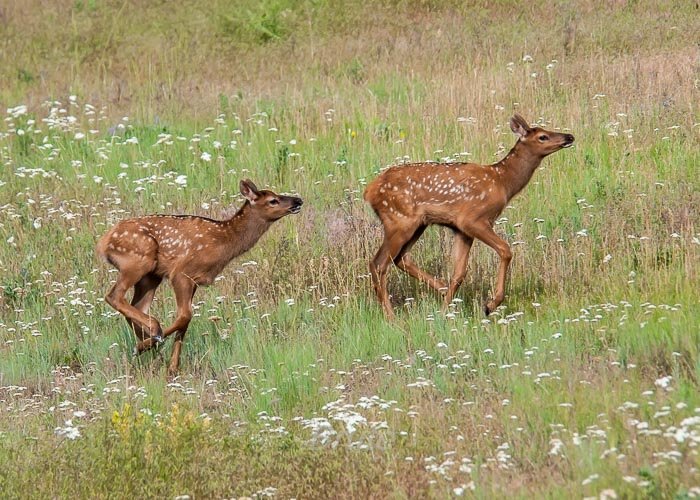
584 383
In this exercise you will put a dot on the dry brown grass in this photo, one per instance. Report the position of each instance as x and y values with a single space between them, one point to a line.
146 58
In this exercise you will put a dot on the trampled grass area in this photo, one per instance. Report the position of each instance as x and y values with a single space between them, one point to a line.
584 383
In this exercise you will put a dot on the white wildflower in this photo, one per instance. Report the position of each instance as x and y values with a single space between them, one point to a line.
589 479
557 447
69 431
664 383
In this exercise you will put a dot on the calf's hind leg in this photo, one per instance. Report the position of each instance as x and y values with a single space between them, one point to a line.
394 241
135 317
404 262
144 291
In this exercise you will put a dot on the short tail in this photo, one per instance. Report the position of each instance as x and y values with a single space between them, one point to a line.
101 249
372 192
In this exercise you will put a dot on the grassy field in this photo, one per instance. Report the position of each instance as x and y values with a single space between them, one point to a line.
585 383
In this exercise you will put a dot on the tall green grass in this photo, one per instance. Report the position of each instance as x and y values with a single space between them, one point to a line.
562 392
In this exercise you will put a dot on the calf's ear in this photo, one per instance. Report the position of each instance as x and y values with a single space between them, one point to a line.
519 126
249 190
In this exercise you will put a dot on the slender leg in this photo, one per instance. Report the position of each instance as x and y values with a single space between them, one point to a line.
379 267
486 234
137 318
144 291
184 292
184 289
460 256
404 262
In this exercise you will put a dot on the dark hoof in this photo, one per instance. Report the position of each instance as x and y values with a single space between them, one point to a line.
158 343
487 310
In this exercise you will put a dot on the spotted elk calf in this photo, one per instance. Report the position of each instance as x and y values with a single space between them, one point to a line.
188 250
465 197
